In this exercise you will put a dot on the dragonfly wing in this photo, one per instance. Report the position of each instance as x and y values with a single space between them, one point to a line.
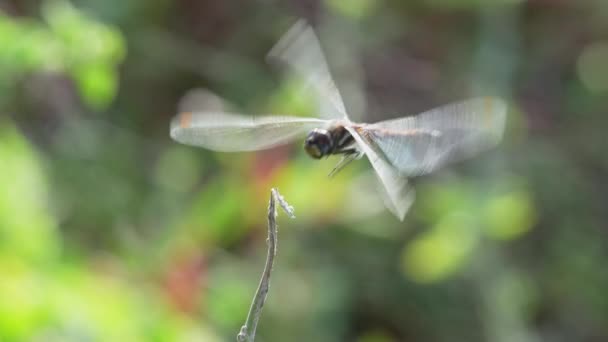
299 48
229 132
399 196
420 144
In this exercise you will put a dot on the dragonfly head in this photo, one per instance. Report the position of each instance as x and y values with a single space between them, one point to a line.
318 143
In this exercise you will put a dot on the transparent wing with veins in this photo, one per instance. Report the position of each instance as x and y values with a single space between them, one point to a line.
230 132
299 48
420 144
399 195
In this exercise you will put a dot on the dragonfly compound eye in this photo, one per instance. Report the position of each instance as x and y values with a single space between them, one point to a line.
318 143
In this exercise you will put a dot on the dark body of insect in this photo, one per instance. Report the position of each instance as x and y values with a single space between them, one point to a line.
321 142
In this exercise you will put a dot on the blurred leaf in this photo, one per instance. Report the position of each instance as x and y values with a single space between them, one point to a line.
72 43
97 84
23 307
27 46
85 40
442 250
440 198
509 215
26 227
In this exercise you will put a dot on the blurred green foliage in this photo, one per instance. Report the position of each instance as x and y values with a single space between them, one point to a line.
109 231
68 41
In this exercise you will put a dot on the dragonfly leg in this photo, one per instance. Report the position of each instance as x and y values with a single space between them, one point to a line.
347 157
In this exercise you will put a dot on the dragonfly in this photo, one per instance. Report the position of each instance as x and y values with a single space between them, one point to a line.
397 149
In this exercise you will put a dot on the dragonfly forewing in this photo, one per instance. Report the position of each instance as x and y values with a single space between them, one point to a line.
230 132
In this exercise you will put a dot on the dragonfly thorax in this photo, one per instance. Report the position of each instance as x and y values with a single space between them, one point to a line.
323 142
319 143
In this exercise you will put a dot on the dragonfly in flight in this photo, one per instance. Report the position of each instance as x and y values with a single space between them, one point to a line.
397 149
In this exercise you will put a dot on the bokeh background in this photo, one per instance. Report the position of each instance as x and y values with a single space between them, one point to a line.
110 231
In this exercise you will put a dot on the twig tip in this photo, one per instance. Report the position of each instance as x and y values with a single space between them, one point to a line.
289 210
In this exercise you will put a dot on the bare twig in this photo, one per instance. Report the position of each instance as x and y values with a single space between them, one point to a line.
247 333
